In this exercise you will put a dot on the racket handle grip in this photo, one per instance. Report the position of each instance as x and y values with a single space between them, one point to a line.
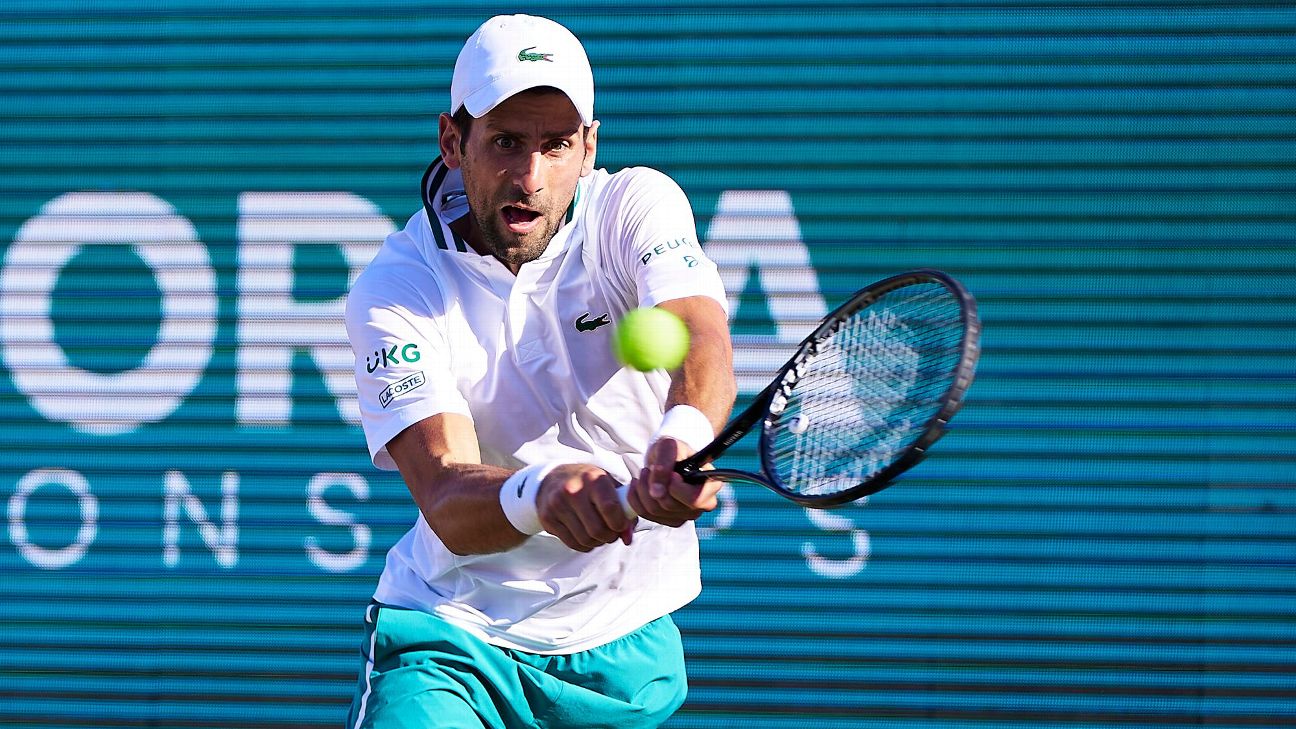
623 494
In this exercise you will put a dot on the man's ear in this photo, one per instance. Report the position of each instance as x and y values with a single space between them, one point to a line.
591 148
448 138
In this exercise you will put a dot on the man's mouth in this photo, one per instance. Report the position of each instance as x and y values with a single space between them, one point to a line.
520 220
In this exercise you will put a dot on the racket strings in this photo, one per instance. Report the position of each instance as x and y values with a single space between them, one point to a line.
866 393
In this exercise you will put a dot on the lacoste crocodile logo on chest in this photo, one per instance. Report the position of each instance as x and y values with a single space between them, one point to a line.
589 325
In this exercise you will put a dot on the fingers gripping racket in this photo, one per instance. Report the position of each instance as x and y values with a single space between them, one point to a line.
863 398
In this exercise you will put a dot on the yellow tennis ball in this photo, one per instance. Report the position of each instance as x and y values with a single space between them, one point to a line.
649 338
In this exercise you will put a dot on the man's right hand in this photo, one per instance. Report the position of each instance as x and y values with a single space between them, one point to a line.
578 503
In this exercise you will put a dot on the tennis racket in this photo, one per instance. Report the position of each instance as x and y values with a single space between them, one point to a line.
863 398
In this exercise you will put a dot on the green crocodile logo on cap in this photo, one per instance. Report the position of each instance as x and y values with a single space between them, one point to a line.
525 55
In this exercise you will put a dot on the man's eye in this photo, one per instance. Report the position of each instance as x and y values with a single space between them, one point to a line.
505 142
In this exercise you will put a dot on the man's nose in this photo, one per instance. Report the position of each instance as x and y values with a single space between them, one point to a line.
532 178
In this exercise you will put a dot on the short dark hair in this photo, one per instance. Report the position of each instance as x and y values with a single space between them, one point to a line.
463 122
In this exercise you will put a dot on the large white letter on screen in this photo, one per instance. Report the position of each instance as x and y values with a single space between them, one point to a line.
320 510
222 540
272 324
111 403
861 546
758 228
48 558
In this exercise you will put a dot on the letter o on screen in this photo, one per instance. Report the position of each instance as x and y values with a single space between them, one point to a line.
92 402
44 557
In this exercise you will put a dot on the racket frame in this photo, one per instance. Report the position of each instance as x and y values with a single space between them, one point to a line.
691 468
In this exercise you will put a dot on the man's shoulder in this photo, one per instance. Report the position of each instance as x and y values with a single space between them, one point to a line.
634 180
400 275
622 197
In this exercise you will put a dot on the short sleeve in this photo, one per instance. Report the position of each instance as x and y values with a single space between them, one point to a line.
655 240
402 360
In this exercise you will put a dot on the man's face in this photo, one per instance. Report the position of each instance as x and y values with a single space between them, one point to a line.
520 165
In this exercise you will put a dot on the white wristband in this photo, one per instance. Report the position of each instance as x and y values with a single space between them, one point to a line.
687 425
518 497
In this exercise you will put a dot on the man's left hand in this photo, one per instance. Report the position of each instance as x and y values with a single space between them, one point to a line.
660 494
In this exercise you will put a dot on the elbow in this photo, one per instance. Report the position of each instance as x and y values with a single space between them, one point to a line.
449 537
465 527
454 548
452 534
438 516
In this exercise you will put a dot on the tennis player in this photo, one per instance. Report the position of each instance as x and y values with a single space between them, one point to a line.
524 596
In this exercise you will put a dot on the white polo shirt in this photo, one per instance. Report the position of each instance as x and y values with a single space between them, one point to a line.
438 328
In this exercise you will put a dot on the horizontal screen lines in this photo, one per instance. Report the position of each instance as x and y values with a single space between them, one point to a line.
667 83
403 9
31 133
687 100
1110 557
1041 692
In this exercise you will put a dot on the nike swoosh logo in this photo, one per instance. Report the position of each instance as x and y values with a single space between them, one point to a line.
583 325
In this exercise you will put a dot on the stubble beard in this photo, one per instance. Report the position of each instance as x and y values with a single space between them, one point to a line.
511 249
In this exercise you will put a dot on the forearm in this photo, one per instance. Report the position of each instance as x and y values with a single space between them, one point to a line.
457 495
705 380
463 508
460 497
575 502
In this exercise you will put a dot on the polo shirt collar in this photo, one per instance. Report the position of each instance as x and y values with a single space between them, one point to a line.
445 201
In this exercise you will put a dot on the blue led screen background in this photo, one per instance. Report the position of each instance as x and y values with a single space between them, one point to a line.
1105 538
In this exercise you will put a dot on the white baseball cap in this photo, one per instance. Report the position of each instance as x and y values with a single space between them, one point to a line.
512 53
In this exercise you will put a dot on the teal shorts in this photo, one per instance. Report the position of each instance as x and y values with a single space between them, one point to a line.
423 672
